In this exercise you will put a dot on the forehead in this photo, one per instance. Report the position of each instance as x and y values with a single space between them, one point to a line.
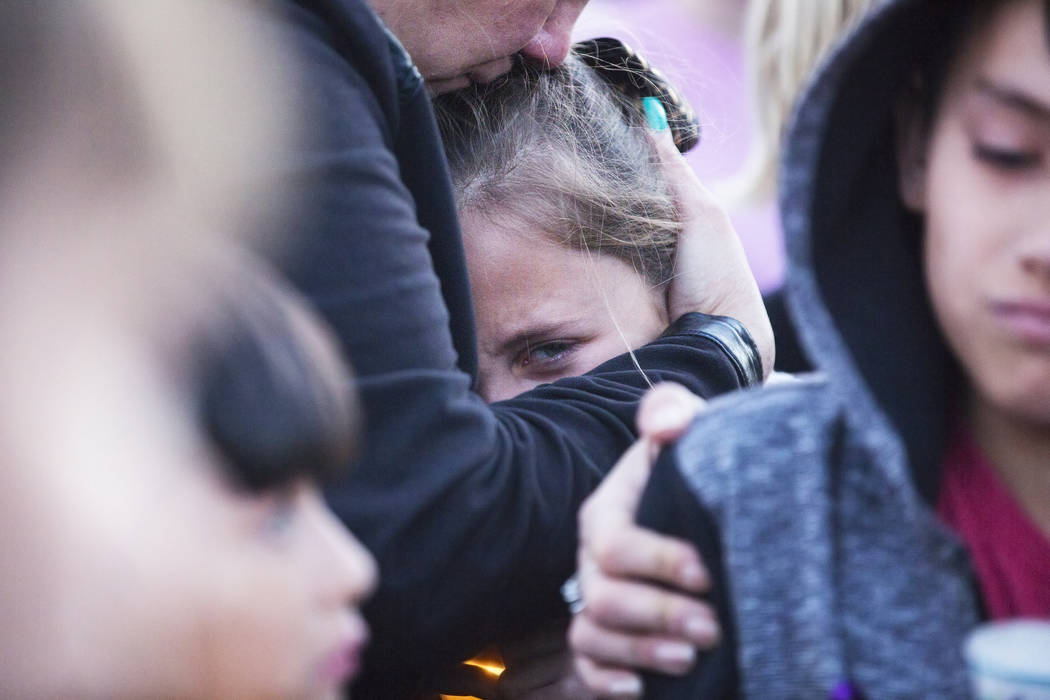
521 277
1013 45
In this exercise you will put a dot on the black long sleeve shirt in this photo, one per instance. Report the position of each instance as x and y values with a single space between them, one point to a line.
469 508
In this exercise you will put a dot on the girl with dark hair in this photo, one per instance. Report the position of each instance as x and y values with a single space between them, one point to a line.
867 521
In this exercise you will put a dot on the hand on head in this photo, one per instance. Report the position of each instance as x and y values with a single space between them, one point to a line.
629 622
712 275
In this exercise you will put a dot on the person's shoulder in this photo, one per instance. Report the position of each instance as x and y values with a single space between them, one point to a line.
757 440
799 413
806 397
349 27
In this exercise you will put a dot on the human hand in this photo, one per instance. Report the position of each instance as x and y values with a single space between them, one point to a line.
712 275
629 622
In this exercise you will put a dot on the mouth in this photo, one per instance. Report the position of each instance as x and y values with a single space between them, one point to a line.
343 661
1028 321
479 74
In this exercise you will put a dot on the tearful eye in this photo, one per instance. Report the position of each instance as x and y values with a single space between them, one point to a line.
1006 159
545 356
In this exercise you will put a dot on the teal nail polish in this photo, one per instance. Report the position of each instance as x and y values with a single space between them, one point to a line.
654 113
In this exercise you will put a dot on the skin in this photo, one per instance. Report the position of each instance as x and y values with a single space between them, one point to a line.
555 312
142 572
458 42
980 176
133 569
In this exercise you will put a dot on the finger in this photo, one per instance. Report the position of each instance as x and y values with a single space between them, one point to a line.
630 551
613 504
608 681
666 411
606 647
640 608
692 197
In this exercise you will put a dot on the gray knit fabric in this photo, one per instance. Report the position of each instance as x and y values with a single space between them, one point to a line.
837 570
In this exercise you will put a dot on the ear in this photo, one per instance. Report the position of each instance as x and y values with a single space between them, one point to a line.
912 139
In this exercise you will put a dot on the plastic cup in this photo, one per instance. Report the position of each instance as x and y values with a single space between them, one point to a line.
1010 660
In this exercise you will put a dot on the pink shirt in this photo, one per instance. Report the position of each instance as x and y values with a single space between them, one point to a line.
1010 553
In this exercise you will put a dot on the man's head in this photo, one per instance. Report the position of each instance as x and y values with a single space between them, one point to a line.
458 42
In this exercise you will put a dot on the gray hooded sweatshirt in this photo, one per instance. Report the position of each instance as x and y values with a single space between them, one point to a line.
840 579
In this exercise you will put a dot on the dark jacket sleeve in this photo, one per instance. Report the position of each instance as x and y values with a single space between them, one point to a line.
469 508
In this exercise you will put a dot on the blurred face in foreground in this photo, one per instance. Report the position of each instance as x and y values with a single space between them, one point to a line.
133 565
983 184
141 571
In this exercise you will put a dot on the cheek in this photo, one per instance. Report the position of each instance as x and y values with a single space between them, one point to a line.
257 633
236 614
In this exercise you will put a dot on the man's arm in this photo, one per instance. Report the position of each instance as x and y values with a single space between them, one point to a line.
640 586
470 509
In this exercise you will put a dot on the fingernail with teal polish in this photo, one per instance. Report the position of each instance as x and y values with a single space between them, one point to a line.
654 113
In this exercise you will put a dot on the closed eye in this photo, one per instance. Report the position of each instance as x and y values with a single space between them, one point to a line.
1006 159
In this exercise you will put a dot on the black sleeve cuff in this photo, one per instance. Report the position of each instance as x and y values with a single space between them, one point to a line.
730 335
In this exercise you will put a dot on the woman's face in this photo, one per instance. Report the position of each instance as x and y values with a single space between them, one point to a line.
983 184
131 568
545 311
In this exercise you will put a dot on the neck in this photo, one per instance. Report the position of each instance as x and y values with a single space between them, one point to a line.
1019 450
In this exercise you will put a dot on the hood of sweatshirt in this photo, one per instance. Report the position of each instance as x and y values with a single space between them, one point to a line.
855 277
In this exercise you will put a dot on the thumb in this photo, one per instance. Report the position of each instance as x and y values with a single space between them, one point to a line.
693 199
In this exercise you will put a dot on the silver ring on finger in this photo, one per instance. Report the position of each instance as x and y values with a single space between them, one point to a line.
572 594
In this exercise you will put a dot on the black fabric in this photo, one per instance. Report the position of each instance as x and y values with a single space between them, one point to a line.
791 357
470 509
668 506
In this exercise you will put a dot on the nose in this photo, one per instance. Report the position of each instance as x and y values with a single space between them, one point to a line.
1035 257
551 44
352 572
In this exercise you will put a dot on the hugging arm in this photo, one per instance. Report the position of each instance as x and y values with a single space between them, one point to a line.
469 509
641 587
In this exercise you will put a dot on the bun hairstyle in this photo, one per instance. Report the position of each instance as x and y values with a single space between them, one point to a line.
567 152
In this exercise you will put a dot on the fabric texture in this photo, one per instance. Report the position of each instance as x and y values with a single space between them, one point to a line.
470 509
840 574
1010 553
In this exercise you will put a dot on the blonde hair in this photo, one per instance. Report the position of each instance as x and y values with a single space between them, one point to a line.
784 42
566 154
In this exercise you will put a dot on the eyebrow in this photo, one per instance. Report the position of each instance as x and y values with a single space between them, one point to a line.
1014 98
529 335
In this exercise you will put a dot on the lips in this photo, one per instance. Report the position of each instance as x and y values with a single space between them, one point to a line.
341 664
1028 321
344 660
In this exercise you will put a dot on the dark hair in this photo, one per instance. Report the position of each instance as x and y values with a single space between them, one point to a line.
275 400
563 152
955 22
